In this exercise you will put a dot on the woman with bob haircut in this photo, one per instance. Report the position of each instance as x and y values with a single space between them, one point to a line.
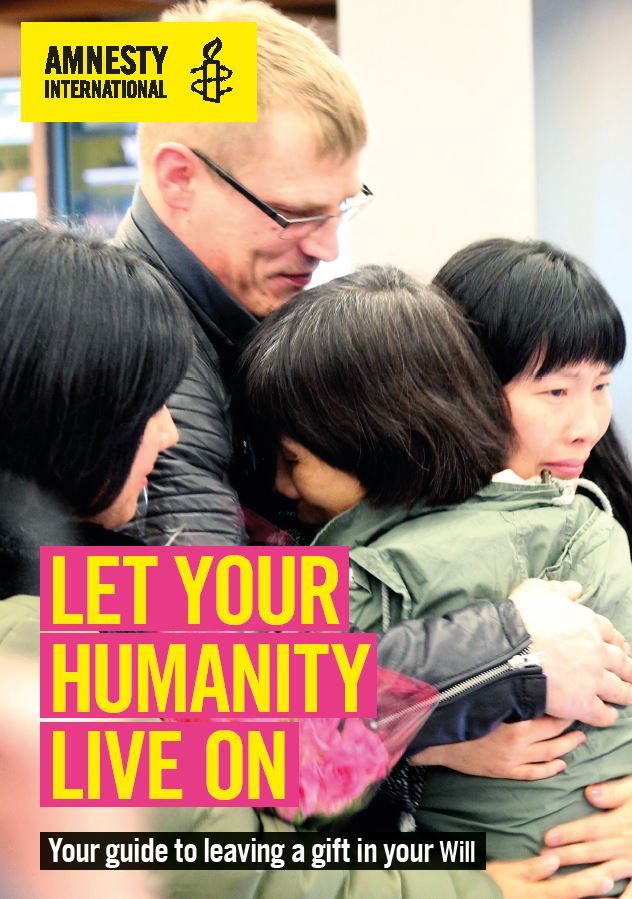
392 434
93 341
543 317
537 311
428 412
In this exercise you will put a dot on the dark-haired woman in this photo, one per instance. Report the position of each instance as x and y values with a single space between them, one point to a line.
544 319
93 341
541 314
390 431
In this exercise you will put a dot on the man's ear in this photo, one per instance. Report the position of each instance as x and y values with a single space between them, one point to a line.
174 170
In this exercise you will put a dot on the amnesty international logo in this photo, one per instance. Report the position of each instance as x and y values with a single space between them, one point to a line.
213 73
139 72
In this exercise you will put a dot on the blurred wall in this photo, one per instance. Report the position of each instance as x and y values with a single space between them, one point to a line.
583 90
451 155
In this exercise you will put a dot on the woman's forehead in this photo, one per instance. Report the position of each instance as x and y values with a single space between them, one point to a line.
577 370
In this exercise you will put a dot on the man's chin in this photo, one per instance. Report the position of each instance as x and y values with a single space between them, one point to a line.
270 303
280 289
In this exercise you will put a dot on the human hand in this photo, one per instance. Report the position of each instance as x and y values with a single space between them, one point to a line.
599 838
584 657
528 879
528 750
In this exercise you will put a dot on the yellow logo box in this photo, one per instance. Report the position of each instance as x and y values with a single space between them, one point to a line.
139 72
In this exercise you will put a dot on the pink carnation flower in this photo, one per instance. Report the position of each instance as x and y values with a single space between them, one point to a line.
339 759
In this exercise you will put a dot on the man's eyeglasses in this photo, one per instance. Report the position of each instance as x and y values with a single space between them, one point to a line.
292 228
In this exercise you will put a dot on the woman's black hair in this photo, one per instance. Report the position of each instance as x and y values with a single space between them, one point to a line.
93 340
379 376
536 308
609 467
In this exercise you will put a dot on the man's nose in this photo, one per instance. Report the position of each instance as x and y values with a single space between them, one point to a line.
322 244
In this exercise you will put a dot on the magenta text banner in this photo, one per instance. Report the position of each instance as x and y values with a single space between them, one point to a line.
194 588
194 764
190 675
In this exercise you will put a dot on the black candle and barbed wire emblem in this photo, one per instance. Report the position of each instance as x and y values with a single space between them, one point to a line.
213 74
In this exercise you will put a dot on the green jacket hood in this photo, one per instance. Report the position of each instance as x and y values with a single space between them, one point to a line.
363 523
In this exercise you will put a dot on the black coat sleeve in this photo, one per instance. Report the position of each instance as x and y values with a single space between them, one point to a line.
467 650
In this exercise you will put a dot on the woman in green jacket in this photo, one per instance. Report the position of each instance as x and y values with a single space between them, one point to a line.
511 293
386 433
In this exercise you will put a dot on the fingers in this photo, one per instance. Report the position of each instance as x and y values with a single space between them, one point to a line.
619 676
609 633
615 686
528 870
533 732
538 868
544 728
556 747
610 794
618 662
590 882
595 851
528 878
613 689
537 770
584 830
599 714
570 589
617 639
618 868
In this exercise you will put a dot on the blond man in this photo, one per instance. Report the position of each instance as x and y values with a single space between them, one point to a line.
217 207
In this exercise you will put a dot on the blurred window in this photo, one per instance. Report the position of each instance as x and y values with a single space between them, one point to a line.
94 169
17 195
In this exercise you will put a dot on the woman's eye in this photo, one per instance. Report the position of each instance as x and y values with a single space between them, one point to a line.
602 387
557 391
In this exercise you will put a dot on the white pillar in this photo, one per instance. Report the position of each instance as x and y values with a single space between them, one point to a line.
451 156
583 90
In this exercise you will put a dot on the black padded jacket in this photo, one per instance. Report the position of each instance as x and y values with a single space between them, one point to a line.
191 500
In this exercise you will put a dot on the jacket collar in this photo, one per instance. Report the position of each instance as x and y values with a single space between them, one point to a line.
218 312
362 524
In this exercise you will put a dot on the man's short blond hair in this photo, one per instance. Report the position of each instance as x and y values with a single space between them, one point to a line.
295 70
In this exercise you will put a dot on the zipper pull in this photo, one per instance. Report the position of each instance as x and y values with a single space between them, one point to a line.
524 659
